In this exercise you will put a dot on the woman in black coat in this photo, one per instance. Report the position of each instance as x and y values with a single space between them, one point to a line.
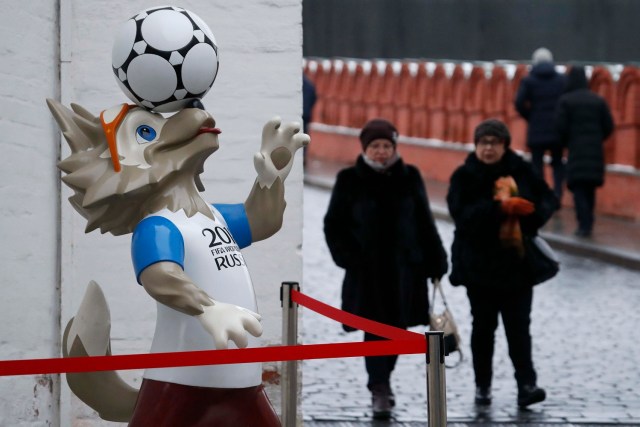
380 229
584 122
498 203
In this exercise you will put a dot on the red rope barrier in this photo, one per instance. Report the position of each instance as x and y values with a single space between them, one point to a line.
373 327
209 357
401 342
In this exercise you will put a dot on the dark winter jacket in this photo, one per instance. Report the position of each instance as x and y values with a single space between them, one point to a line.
309 98
380 229
479 259
584 121
536 102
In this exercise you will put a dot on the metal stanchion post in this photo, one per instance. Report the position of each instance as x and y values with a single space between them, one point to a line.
289 368
436 383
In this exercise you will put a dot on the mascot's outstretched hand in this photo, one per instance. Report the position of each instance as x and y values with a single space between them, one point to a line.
168 284
279 144
229 322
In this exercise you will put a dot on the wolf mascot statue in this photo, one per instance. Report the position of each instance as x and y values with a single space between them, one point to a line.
134 171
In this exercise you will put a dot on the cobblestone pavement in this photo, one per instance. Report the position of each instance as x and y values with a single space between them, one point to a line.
585 328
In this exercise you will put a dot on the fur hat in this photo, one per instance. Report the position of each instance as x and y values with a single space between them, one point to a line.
492 127
541 54
378 129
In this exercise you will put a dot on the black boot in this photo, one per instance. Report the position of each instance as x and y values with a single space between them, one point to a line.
483 396
530 394
382 400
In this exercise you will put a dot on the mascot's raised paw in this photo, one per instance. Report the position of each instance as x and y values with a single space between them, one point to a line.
228 322
279 144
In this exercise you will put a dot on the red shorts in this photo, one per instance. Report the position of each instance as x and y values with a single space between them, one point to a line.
163 404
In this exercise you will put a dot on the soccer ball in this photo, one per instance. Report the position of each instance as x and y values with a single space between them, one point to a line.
164 57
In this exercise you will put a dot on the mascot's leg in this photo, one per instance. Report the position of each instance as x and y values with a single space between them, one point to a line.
87 334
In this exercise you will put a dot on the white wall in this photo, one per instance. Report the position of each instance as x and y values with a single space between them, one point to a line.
47 259
29 307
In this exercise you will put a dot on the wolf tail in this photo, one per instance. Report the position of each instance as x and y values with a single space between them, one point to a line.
88 334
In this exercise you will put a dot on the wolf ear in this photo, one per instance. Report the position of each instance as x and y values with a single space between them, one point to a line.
81 111
79 127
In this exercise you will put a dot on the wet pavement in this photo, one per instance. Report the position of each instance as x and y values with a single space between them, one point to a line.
584 327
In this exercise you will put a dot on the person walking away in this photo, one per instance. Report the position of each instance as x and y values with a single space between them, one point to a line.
498 202
536 101
584 122
380 229
309 98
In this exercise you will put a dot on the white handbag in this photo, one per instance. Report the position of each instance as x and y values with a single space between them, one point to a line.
445 322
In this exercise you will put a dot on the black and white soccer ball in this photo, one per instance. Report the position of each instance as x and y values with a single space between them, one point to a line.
164 58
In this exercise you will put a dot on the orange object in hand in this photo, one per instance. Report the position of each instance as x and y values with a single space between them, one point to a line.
517 206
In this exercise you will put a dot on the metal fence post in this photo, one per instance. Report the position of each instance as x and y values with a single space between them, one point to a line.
436 383
289 383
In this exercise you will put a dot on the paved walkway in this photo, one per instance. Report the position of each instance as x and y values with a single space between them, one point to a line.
590 373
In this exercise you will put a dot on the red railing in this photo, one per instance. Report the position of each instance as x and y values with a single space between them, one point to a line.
446 100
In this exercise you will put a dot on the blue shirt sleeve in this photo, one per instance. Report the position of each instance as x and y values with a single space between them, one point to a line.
156 239
236 218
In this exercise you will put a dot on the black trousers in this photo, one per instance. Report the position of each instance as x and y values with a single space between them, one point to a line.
515 309
537 156
584 199
379 368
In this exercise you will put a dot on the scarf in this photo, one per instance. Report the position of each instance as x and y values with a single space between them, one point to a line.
381 167
510 233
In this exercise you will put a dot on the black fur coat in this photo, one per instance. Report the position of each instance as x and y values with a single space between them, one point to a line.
478 257
380 229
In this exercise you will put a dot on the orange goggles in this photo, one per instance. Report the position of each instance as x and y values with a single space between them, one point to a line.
110 120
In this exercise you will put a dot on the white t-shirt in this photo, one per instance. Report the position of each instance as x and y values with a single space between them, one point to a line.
210 255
